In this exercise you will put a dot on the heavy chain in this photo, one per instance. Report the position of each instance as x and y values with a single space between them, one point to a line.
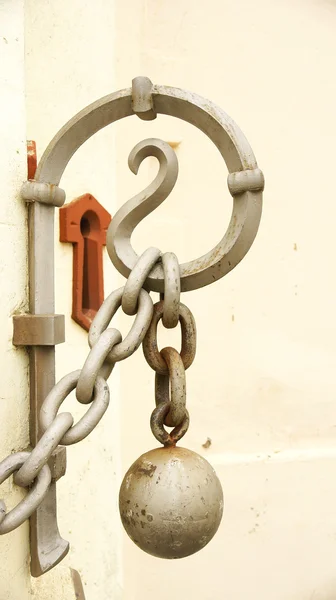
107 347
170 365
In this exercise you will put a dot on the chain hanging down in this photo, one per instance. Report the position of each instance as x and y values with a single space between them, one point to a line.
175 520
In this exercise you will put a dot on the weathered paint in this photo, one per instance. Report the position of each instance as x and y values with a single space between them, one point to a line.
31 158
14 401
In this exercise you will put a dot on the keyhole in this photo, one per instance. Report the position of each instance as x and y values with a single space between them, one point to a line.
84 222
90 229
85 226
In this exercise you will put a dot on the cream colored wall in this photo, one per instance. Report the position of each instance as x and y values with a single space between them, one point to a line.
15 580
262 386
70 62
14 550
263 383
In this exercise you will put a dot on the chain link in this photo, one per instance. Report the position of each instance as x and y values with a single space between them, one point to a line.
136 279
98 406
157 419
93 364
176 381
107 347
169 364
172 290
188 346
245 182
134 338
144 273
15 517
43 450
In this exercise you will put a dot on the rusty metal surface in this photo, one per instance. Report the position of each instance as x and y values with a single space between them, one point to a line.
171 502
31 158
175 382
158 417
38 330
188 344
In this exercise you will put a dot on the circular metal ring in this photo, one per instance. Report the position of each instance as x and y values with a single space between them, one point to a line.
100 402
245 179
176 381
94 363
15 517
138 330
172 290
136 279
157 418
43 450
188 346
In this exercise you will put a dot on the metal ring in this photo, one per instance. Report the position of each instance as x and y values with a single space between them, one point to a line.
137 278
15 517
172 290
138 330
222 131
88 422
188 346
43 450
176 381
94 363
156 422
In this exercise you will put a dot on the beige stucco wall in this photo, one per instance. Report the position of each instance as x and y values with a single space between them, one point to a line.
14 550
15 580
88 494
75 52
262 386
263 383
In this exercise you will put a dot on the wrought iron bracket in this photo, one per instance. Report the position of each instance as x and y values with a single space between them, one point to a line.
42 329
42 332
47 546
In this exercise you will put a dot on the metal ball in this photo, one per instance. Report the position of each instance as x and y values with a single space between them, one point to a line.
171 502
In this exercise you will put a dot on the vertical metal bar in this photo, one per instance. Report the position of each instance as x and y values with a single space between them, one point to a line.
47 546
